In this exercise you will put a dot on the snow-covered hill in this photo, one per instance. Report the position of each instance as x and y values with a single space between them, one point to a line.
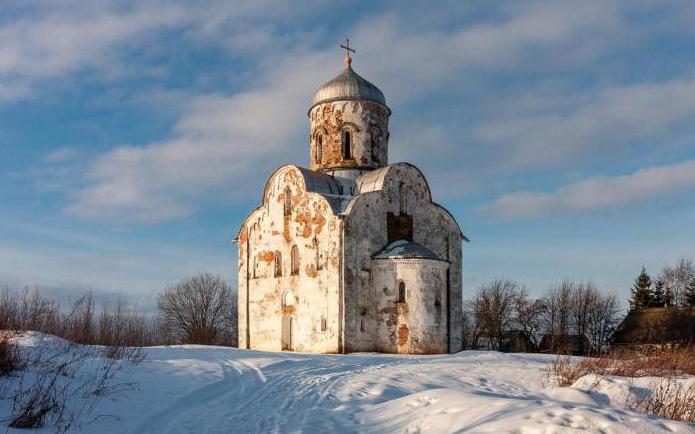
198 389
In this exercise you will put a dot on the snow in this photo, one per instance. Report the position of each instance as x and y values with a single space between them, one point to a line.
199 389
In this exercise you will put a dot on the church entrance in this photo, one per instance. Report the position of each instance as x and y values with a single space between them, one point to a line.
287 326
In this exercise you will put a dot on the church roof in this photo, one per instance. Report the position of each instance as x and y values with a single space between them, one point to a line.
404 249
317 182
348 85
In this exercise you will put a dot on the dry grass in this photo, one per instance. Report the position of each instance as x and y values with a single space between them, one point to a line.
669 396
653 362
563 371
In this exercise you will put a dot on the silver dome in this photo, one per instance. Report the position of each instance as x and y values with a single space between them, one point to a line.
348 85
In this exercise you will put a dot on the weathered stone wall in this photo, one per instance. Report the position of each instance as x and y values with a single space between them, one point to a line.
367 123
417 324
402 191
309 298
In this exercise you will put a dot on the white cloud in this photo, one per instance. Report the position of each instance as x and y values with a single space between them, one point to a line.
224 141
53 40
599 192
218 144
532 36
221 141
601 123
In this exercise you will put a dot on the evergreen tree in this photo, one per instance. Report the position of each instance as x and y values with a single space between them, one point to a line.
690 292
658 295
641 291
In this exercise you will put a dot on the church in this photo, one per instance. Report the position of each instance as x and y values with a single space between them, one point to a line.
351 254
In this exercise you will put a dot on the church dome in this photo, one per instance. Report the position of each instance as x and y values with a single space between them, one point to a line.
348 85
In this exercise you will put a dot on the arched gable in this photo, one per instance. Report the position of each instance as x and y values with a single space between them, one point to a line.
377 180
298 179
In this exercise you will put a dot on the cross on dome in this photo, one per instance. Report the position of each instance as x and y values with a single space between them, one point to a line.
348 49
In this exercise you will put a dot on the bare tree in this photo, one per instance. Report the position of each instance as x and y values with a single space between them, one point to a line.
603 318
494 310
582 311
198 310
677 277
557 301
528 315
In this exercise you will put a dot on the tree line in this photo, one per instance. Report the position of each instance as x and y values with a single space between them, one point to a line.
502 310
570 316
198 310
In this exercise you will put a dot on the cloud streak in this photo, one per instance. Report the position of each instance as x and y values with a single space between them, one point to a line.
220 140
598 193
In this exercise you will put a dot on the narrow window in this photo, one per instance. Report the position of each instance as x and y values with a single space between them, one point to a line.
288 201
362 326
401 292
324 324
403 198
346 145
278 264
295 260
255 266
318 254
375 148
319 149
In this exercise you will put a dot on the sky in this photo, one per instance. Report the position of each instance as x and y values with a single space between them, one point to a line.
135 136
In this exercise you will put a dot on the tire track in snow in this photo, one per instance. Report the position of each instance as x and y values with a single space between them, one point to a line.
237 377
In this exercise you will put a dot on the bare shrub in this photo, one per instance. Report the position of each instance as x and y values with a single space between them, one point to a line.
667 397
563 371
648 362
9 355
198 310
130 354
60 383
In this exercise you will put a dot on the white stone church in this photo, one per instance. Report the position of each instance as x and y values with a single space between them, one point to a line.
351 254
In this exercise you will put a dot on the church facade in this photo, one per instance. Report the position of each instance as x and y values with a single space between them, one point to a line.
350 254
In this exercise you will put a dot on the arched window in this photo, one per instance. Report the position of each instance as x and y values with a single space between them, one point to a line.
363 328
255 266
288 201
294 260
347 145
401 292
278 264
324 324
319 149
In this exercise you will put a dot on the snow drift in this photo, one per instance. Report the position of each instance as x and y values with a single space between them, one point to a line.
199 389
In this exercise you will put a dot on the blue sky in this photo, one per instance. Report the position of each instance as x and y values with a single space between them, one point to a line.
135 136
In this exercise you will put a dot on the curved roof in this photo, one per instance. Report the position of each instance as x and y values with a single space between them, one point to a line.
404 249
317 182
373 180
348 85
